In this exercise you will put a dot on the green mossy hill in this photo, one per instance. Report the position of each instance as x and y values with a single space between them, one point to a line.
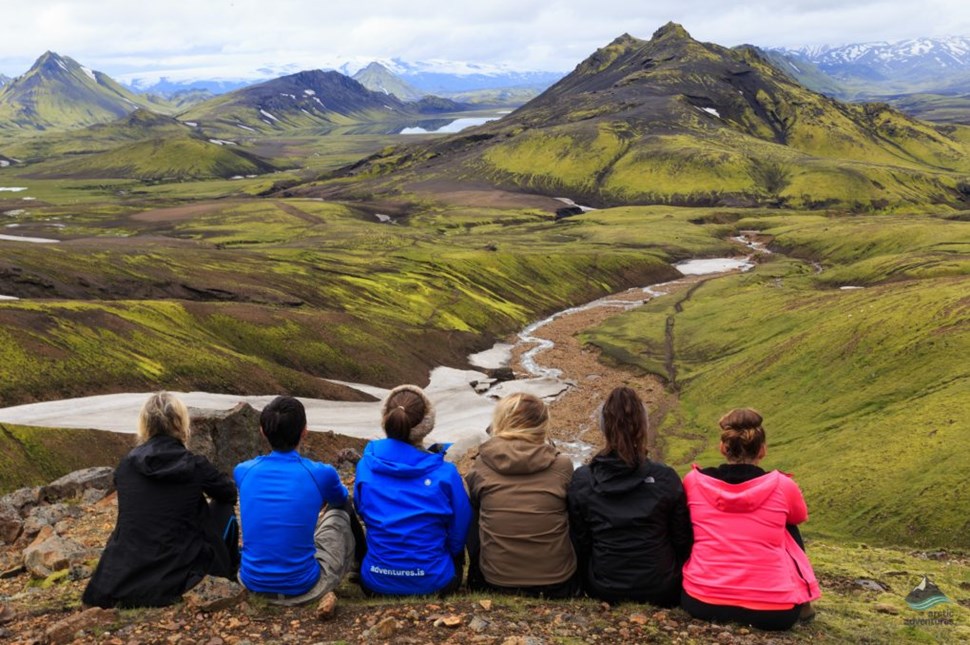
865 391
676 121
32 456
175 157
59 93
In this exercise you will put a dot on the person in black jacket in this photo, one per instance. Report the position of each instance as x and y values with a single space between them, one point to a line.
628 515
168 536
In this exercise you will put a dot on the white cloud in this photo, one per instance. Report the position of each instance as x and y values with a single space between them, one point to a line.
234 38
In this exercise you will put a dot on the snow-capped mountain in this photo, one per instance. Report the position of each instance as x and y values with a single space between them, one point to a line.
908 60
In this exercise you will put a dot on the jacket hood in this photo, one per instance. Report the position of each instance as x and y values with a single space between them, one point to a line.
517 456
425 425
163 458
743 497
612 475
400 459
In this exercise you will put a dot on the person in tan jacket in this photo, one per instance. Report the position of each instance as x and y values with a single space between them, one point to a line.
517 487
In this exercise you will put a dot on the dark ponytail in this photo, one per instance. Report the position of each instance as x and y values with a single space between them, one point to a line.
624 423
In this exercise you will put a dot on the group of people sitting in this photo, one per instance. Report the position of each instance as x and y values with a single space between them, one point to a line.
722 543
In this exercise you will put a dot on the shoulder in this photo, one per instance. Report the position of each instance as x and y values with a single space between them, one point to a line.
563 466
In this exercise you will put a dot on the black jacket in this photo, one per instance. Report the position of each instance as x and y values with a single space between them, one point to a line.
632 530
159 548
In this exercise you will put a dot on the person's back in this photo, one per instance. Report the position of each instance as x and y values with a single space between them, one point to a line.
635 524
518 487
412 503
289 551
167 537
629 514
746 565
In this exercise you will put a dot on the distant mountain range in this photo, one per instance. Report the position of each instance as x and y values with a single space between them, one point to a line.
675 121
894 72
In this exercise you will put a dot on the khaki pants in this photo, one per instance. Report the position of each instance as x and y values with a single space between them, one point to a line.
335 555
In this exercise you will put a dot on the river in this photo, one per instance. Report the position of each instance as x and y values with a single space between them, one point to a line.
462 412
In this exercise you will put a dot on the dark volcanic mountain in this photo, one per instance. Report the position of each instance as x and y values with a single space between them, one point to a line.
674 120
59 93
310 99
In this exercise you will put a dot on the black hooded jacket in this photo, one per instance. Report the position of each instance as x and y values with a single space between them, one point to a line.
631 528
159 548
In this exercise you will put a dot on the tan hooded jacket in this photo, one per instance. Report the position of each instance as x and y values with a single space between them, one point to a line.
518 489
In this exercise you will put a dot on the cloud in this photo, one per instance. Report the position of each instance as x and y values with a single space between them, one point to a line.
120 36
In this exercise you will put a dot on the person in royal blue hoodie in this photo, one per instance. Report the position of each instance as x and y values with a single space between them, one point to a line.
413 504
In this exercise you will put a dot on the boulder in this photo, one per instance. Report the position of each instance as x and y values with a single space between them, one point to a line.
226 437
22 499
50 515
46 555
10 523
74 484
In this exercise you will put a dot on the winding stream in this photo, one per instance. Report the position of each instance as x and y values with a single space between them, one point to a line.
463 412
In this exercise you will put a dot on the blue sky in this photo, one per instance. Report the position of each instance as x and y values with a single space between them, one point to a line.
236 38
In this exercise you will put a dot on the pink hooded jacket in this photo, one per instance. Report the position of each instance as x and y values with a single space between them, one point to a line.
742 552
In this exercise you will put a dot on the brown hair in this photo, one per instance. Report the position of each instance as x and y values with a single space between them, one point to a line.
163 415
742 434
404 410
520 416
624 423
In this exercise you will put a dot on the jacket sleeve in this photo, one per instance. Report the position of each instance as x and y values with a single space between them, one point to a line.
332 490
797 510
579 532
461 515
217 485
681 529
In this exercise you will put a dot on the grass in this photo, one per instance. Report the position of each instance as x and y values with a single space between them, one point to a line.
863 391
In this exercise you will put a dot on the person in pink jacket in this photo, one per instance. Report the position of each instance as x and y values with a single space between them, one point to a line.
747 564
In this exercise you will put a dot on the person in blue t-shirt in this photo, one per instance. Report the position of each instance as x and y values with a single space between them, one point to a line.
413 504
292 554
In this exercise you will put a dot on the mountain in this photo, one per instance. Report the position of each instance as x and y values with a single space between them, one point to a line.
4 80
310 99
938 66
378 78
141 145
675 121
59 93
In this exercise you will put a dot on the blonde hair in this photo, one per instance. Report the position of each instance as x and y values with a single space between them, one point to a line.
521 416
163 415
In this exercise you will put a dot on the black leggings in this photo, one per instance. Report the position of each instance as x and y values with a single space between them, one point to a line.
222 533
767 619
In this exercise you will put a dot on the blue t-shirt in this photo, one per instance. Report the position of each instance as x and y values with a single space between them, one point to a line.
280 497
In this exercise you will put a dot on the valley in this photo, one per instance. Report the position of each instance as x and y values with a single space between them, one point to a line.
288 237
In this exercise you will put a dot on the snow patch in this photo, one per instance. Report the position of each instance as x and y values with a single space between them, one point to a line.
89 73
222 142
15 212
9 298
33 240
268 115
12 189
191 124
711 111
4 163
246 127
309 92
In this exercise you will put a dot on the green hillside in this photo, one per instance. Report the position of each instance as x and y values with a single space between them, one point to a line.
865 391
59 93
675 121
